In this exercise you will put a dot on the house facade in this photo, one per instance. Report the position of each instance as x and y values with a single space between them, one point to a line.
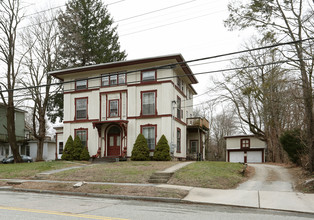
20 132
245 149
108 105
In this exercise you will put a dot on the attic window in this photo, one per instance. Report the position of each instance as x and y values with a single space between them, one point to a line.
81 84
149 75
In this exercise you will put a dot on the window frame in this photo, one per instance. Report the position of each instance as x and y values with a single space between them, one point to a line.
179 110
245 143
81 80
155 128
155 103
179 140
118 109
190 150
82 129
60 143
76 99
109 75
149 80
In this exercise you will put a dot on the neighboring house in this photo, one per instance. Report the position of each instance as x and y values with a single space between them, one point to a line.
59 142
20 131
108 105
49 149
245 149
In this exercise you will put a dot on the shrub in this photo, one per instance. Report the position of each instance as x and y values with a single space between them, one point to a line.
77 148
162 151
68 149
140 150
84 154
292 143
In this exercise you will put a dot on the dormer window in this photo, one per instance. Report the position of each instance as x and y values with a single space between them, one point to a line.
149 75
81 84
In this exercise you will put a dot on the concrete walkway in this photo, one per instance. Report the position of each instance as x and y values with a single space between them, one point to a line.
177 167
63 169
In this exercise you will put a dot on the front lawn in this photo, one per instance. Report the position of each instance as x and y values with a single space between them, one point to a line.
121 172
216 175
28 170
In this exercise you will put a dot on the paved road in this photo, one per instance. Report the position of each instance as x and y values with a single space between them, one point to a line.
269 178
29 206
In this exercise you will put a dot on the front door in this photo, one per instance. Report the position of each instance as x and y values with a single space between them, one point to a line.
114 141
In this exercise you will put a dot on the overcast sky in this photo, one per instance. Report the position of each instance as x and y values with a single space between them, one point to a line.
193 28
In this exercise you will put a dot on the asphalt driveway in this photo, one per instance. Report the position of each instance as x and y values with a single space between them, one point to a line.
268 178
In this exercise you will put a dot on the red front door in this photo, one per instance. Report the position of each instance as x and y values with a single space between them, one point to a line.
114 143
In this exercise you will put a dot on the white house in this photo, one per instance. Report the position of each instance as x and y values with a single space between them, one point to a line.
108 105
245 149
49 149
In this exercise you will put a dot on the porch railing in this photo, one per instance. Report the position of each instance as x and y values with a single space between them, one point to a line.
198 121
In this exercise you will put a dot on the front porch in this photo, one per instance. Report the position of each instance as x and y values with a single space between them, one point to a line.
197 129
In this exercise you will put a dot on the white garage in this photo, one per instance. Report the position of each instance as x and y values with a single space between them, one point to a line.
236 156
254 157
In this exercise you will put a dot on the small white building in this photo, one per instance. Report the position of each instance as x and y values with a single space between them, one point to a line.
108 105
245 149
49 149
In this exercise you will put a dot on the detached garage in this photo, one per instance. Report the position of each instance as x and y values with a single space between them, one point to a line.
245 149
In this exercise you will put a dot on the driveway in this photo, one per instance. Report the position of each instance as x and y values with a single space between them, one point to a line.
268 178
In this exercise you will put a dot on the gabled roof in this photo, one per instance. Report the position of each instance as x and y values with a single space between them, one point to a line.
177 57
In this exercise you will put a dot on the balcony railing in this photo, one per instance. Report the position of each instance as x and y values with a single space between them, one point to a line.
5 138
198 122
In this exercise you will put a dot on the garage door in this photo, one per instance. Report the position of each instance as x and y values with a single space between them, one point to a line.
254 157
236 157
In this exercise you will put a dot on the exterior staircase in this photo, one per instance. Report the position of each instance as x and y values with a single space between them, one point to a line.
160 177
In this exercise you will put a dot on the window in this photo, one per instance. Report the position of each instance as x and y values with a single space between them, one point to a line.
179 112
148 103
182 85
81 108
81 84
245 143
121 78
178 140
82 134
60 147
149 75
190 95
114 108
149 133
113 80
193 147
105 81
178 82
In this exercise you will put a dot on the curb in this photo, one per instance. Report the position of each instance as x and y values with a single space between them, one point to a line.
96 195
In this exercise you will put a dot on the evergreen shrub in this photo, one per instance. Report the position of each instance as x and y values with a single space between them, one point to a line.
140 150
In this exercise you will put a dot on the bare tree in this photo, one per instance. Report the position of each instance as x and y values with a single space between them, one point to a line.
41 42
10 18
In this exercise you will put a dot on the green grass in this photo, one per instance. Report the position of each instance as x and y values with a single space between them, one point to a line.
27 170
217 175
122 172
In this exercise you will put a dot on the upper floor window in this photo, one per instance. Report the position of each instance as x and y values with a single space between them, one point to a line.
149 103
114 108
179 110
149 75
179 81
81 84
113 80
82 134
245 143
149 133
190 95
81 108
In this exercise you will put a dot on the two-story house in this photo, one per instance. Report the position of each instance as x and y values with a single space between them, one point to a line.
108 105
20 132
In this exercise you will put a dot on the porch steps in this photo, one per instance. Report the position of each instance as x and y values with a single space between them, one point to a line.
160 177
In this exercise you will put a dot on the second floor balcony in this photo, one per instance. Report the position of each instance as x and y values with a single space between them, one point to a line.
198 122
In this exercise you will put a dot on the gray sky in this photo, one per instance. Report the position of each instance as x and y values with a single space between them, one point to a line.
193 28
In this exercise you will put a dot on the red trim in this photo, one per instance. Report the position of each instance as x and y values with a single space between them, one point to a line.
179 130
76 89
149 71
100 103
81 121
149 91
109 76
118 106
242 144
179 90
82 129
113 91
150 83
246 150
75 119
150 125
149 116
181 122
82 90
